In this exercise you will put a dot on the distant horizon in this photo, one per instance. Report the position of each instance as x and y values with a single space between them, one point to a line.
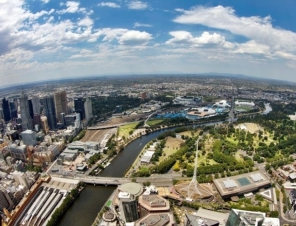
236 76
47 40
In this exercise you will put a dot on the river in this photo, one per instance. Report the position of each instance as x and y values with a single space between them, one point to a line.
86 207
267 109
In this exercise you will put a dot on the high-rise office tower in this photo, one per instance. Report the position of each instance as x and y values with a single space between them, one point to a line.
13 110
49 111
88 109
127 201
60 103
36 105
128 206
1 114
25 113
62 118
31 108
6 110
79 107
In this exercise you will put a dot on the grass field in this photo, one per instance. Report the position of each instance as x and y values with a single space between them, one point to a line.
231 140
203 159
125 130
154 122
171 146
189 133
238 157
243 108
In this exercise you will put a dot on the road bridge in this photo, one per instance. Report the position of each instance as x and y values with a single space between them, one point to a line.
158 180
103 180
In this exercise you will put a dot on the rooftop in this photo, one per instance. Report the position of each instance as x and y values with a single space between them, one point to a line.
154 203
195 220
241 184
156 220
132 188
213 215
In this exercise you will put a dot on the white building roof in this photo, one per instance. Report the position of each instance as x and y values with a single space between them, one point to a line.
270 221
124 195
256 177
147 156
229 184
292 175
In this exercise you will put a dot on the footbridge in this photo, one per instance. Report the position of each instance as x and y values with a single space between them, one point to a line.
147 119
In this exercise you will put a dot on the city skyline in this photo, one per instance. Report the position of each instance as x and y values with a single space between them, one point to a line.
47 39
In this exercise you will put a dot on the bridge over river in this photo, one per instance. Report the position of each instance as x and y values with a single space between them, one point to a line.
158 180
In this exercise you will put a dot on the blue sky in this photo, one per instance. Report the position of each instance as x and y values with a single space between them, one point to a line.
50 39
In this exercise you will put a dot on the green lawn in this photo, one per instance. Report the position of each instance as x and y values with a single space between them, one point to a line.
203 159
231 140
154 122
243 108
238 157
108 203
125 130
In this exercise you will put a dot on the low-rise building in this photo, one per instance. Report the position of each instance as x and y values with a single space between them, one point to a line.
18 151
159 219
145 159
29 137
250 218
241 184
153 204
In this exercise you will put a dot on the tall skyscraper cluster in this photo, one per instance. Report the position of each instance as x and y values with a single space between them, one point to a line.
8 109
49 112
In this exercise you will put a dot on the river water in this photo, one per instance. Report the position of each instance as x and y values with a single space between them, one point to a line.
267 109
86 207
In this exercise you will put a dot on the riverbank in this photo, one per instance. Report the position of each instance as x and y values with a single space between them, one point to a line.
104 208
136 162
86 207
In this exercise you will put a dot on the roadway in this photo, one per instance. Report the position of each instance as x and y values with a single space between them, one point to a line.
158 180
107 126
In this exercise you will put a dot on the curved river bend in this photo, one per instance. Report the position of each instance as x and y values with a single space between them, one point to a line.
86 207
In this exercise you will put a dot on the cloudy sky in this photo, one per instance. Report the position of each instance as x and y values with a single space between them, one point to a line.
49 39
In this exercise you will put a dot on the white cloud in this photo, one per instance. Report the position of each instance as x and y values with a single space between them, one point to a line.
45 1
15 20
86 22
109 4
72 7
137 5
184 37
132 37
285 55
137 24
123 36
254 27
252 47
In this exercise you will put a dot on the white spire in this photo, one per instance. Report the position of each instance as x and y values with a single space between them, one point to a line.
194 187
